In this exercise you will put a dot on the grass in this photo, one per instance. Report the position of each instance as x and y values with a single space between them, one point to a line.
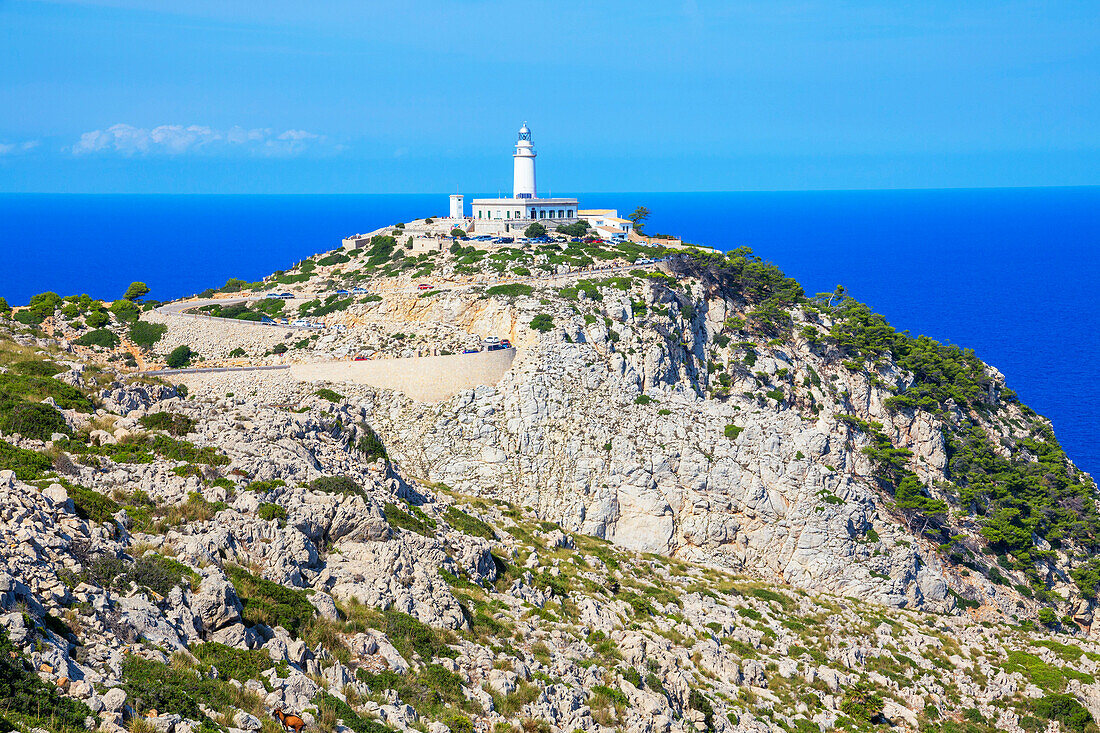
414 520
269 603
468 524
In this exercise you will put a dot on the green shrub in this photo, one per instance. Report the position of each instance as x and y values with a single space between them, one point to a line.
409 636
125 311
335 485
1067 710
698 701
28 465
330 706
269 603
91 504
182 450
24 695
169 422
861 703
267 512
1048 617
732 431
136 290
577 229
161 574
543 322
97 319
370 445
280 348
180 357
146 334
534 230
99 337
456 232
327 394
643 399
236 664
510 290
265 485
36 420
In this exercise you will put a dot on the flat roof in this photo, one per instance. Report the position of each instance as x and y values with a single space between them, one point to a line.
524 202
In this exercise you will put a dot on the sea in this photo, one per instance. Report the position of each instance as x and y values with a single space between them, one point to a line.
1011 273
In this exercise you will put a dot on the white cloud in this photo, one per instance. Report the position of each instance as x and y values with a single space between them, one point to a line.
16 148
179 139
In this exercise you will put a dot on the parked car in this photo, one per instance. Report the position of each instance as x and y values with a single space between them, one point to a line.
360 291
471 351
286 296
301 323
273 295
495 347
423 286
342 292
360 357
506 343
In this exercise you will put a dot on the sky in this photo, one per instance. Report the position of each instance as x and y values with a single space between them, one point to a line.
357 96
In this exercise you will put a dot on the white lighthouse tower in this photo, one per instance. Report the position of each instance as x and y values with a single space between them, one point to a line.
523 180
515 214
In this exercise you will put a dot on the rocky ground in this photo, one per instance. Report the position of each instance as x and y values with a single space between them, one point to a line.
664 518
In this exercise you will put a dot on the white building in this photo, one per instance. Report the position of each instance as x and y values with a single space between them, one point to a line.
458 207
525 206
606 223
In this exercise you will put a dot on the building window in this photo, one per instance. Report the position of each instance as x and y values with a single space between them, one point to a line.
561 214
518 215
507 214
568 213
479 213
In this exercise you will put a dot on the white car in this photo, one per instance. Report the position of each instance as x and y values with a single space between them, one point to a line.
302 323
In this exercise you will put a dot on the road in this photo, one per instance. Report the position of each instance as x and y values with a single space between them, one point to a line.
216 370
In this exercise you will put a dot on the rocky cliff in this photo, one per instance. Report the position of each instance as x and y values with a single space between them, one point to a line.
699 500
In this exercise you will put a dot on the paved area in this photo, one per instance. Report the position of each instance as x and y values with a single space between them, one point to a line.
423 378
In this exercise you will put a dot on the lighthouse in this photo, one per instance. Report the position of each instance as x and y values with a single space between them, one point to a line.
515 214
523 178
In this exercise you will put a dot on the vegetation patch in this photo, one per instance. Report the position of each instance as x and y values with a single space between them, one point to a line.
99 337
327 394
468 524
335 485
414 520
269 603
511 290
170 422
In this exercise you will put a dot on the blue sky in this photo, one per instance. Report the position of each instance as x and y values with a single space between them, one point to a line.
421 96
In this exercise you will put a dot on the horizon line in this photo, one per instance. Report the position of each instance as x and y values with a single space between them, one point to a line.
577 193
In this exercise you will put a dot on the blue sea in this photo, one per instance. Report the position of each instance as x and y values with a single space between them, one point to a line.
1011 273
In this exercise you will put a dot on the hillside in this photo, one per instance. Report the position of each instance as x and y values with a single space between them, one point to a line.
698 500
